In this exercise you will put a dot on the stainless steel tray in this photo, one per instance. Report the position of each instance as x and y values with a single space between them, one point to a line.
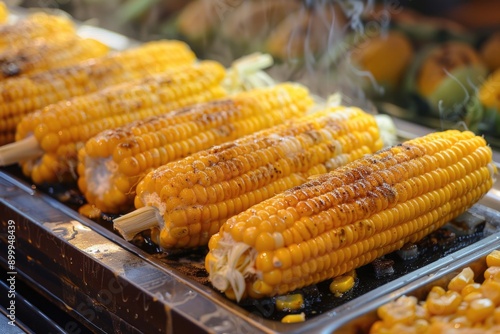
425 280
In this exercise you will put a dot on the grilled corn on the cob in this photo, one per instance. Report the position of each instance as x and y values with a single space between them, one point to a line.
23 95
112 163
350 216
36 25
43 54
191 198
60 129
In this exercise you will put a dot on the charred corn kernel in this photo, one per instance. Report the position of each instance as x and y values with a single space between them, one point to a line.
291 318
249 170
402 310
25 94
341 285
4 12
290 302
465 277
59 135
37 25
493 259
117 153
360 211
43 54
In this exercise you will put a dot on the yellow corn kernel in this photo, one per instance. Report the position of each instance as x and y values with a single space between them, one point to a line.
469 288
402 310
290 302
465 277
421 312
89 211
493 259
492 273
379 327
460 322
472 296
341 285
462 309
442 303
291 318
409 329
356 213
491 290
480 309
421 326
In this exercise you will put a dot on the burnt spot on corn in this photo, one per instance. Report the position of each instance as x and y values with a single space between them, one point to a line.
225 130
342 235
219 149
10 69
314 135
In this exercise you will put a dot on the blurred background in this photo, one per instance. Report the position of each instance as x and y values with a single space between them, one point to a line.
432 62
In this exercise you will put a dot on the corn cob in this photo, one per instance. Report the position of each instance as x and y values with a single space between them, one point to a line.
25 94
192 197
52 136
43 54
350 216
33 26
113 162
4 12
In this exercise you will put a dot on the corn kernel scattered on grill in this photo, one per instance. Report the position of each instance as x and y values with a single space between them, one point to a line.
43 54
113 162
25 94
60 129
349 217
191 198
